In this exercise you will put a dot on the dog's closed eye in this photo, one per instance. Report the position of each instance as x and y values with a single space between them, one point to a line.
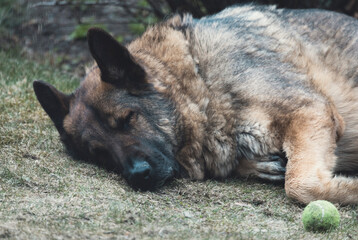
127 122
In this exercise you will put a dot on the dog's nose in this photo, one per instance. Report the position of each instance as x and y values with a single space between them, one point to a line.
141 170
139 174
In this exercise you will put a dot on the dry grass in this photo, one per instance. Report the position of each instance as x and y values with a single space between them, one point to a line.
44 194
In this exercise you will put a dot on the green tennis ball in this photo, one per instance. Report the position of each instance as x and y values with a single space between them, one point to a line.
320 216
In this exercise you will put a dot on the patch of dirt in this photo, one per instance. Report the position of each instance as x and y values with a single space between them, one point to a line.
45 31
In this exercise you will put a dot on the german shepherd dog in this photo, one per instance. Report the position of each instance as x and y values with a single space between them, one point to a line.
250 91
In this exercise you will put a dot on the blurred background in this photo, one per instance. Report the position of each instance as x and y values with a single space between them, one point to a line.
54 31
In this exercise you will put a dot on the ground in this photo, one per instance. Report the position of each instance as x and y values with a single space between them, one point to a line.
44 194
48 34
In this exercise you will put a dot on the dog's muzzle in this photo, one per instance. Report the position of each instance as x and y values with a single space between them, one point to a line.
140 174
143 175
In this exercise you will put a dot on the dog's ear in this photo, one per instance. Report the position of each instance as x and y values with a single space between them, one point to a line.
115 61
55 103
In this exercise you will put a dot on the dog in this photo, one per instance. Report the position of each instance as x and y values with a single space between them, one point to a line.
251 91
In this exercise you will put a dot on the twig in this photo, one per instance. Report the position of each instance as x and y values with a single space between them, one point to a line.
71 26
156 6
91 3
127 8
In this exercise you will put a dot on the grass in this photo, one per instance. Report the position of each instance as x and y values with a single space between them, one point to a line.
44 194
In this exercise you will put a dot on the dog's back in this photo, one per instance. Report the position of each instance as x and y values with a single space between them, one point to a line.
276 61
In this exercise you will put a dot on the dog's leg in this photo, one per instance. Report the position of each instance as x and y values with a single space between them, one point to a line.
309 143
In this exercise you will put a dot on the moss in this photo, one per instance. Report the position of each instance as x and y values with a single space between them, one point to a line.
80 31
137 28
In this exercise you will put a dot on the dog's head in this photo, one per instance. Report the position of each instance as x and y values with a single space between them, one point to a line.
115 118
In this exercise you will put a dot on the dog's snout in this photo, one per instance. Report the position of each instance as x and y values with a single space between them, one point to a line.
147 171
140 174
141 170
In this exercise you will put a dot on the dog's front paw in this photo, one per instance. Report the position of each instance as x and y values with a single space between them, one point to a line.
271 168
